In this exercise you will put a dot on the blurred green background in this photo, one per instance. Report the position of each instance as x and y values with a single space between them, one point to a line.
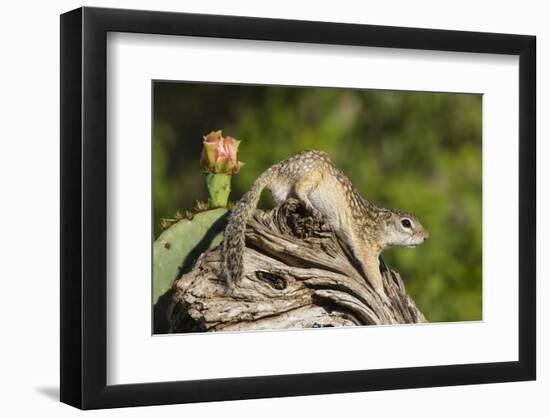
419 152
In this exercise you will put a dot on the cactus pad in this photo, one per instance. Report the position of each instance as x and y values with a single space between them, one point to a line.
177 248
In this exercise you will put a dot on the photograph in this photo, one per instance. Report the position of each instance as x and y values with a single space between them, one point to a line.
299 207
258 206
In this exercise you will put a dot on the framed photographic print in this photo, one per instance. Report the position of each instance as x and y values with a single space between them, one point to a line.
258 208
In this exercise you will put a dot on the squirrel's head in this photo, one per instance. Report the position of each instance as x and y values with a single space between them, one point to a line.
402 229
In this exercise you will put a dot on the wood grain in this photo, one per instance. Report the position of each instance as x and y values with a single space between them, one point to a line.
297 275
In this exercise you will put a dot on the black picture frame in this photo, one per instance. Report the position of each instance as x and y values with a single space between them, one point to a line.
84 207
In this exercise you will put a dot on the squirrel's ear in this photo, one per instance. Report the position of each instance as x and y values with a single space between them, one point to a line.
386 215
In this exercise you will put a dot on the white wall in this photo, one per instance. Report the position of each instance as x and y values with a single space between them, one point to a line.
29 173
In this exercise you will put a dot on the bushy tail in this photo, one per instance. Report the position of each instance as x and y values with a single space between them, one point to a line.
234 241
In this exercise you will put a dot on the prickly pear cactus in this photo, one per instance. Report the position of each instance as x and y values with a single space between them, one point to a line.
177 248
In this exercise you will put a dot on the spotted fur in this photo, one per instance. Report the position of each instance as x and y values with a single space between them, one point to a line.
312 177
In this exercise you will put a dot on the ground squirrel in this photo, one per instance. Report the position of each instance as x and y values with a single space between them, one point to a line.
313 178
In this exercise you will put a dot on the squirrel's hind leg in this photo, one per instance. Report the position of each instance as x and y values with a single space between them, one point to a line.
302 188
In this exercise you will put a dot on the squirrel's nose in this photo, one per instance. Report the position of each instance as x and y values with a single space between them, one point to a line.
426 236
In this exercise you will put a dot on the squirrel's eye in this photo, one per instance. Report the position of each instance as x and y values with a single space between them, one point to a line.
406 223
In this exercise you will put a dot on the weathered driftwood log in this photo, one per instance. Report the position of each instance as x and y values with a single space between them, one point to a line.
297 275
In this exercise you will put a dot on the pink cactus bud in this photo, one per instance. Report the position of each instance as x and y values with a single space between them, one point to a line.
219 154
